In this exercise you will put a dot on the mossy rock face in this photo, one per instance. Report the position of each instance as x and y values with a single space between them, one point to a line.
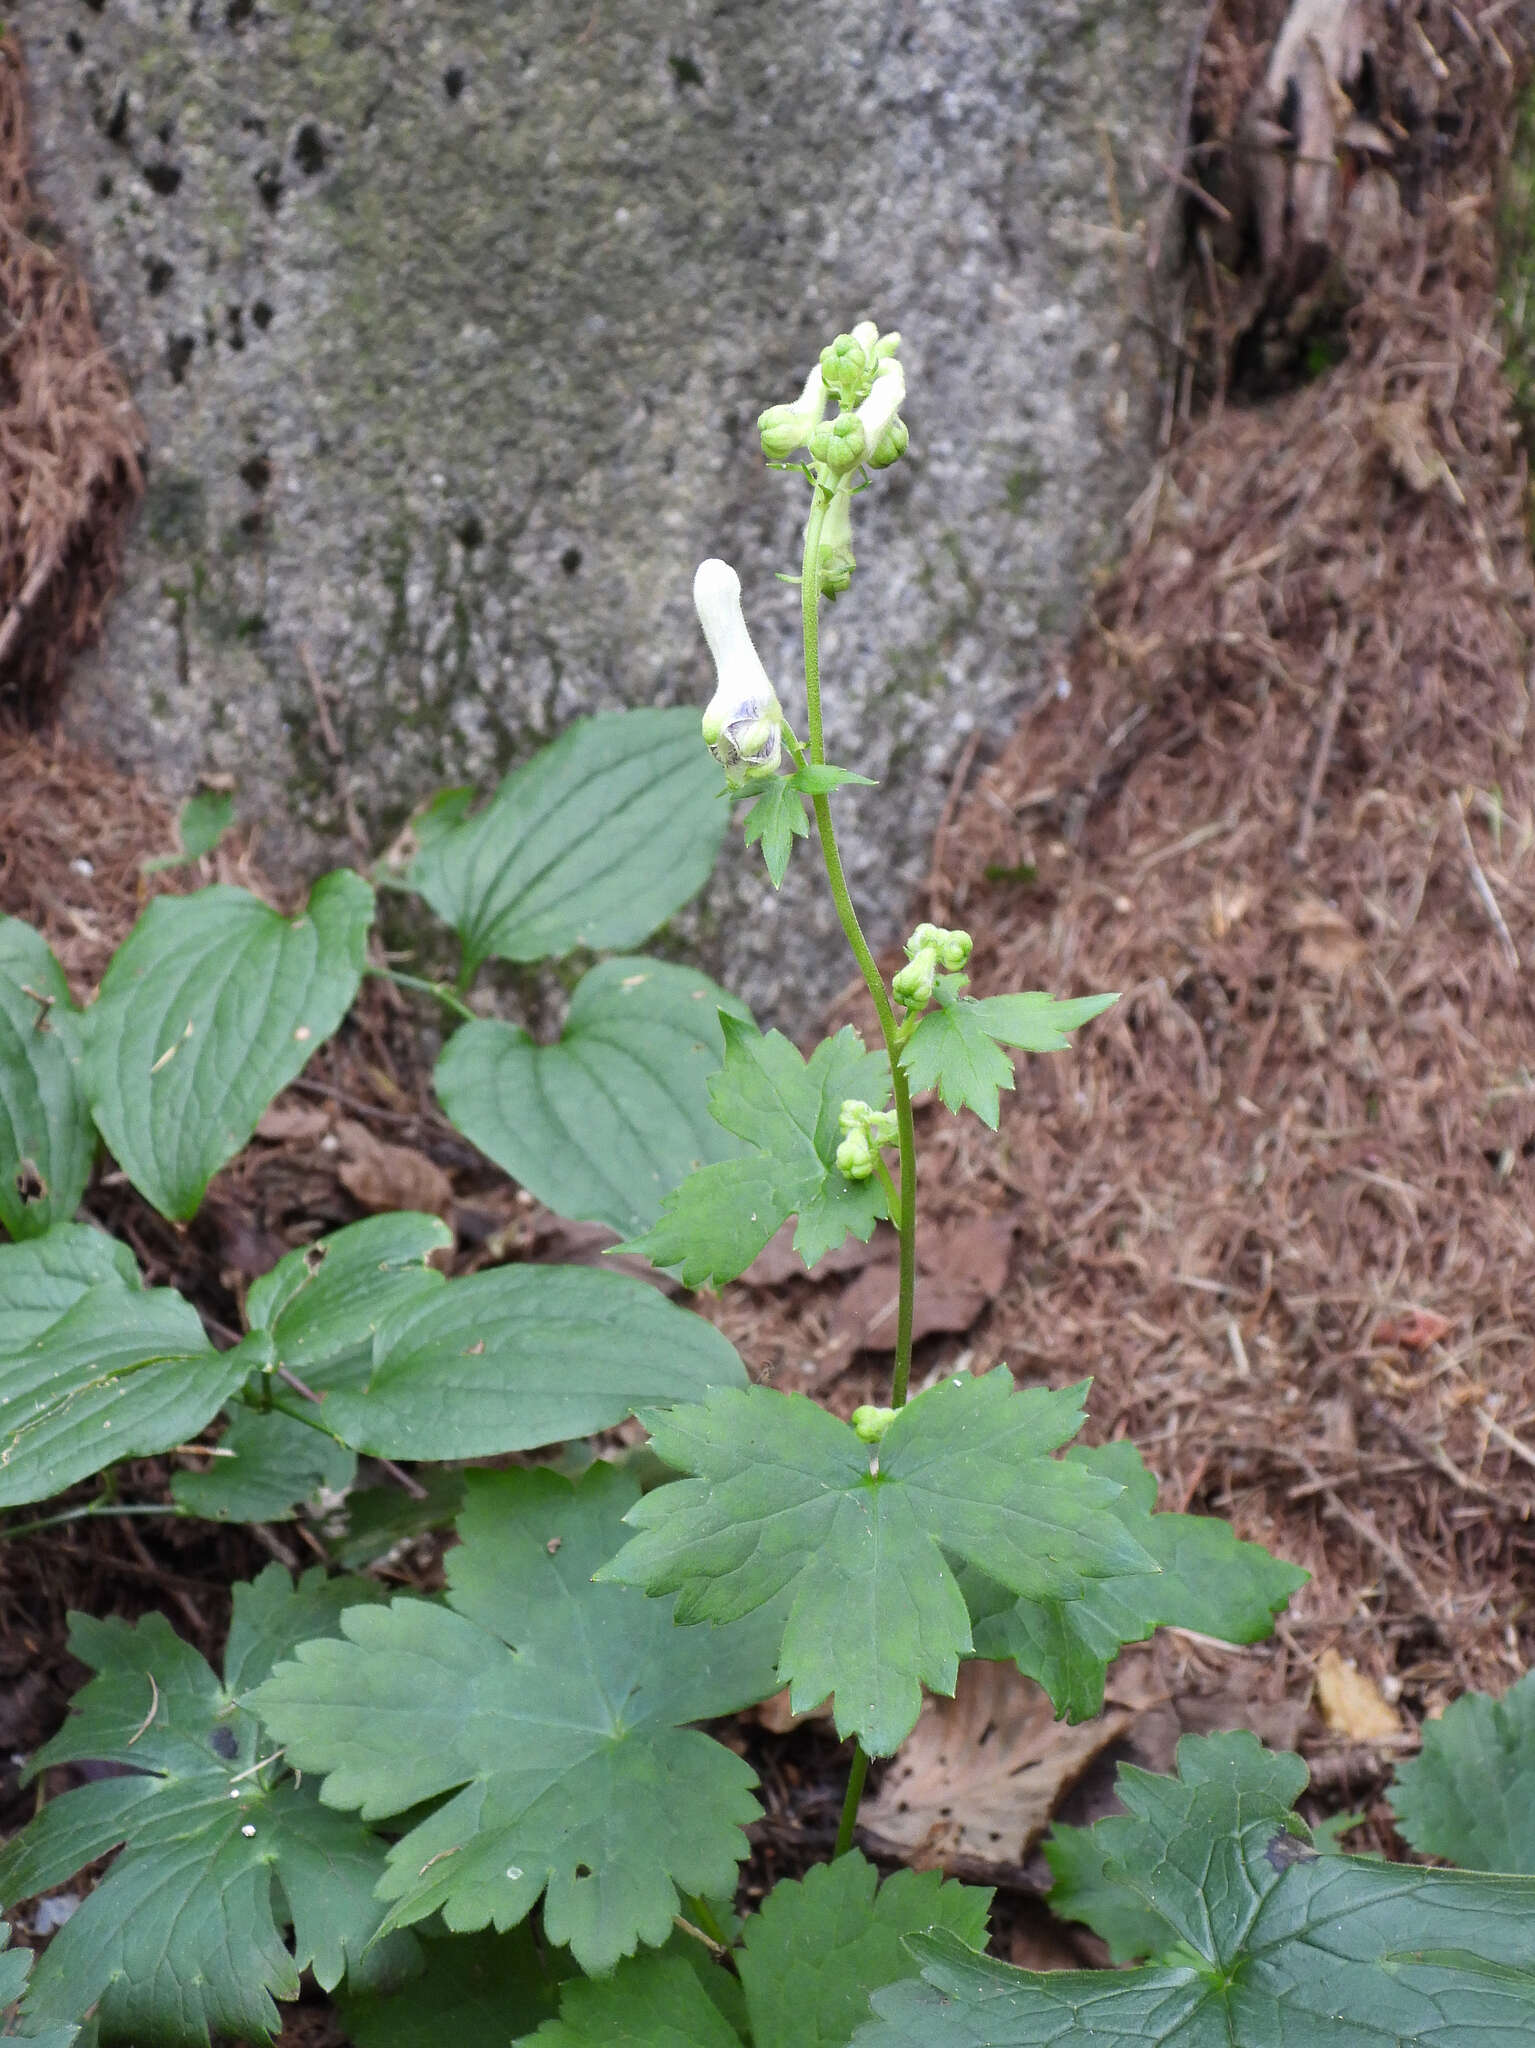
451 322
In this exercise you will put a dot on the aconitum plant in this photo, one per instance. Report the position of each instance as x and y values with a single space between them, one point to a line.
491 1815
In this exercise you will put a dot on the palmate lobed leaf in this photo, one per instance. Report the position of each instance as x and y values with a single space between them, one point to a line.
181 1937
1266 1943
784 1501
474 1991
805 1968
956 1048
1469 1795
47 1139
592 843
550 1715
604 1123
785 1108
212 1004
1205 1579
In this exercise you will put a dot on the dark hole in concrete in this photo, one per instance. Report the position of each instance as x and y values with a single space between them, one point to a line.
165 131
162 178
253 522
570 561
95 5
178 354
238 12
252 124
116 129
470 532
269 187
235 316
158 274
454 80
685 71
104 186
309 151
256 473
74 42
261 313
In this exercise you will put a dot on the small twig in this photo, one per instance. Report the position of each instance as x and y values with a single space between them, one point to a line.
1342 655
396 1472
1506 1437
1481 885
332 744
28 595
154 1708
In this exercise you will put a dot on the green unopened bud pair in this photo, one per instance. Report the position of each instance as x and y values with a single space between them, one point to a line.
860 371
865 1129
929 950
786 427
743 725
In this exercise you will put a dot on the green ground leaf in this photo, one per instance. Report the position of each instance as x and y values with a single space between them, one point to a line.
652 2001
605 1122
550 1715
526 1355
204 820
957 1047
475 1991
183 1934
1265 1943
44 1276
1470 1795
594 842
1205 1579
15 1964
820 1946
270 1463
325 1303
785 1107
784 1501
376 1518
47 1139
212 1004
119 1374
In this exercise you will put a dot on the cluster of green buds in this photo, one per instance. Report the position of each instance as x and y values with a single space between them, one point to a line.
860 371
744 723
929 950
864 1130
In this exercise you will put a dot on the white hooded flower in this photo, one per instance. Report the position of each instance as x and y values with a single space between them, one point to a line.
743 726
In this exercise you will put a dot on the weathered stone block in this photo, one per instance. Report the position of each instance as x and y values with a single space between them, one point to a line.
450 321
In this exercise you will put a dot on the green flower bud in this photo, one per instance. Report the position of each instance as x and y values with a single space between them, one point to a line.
913 986
883 432
847 365
854 1115
786 427
856 1156
839 444
891 445
743 725
952 948
870 1423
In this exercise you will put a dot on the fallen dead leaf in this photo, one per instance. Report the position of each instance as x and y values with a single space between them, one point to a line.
293 1123
977 1781
387 1177
1352 1704
778 1717
1413 1330
1329 945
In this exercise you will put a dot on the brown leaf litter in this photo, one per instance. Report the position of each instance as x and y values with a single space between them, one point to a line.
71 442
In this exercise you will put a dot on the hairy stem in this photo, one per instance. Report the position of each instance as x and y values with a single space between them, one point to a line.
906 1220
90 1512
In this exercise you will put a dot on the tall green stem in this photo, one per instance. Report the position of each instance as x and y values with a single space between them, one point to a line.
905 1216
906 1135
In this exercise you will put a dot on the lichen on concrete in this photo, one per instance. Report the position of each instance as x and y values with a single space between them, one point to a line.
451 323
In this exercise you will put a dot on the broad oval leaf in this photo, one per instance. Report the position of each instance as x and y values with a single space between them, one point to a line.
47 1139
325 1303
211 1005
603 1124
594 842
46 1275
119 1374
526 1355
